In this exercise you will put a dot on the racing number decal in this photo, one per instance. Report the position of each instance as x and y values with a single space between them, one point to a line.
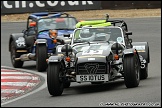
143 61
142 65
91 52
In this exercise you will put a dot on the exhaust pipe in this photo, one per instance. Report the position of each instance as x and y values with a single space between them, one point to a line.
26 57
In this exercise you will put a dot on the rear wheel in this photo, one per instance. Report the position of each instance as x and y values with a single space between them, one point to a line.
54 80
14 54
41 56
131 68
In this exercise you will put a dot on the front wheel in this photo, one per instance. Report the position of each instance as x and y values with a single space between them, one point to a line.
41 56
131 66
54 80
14 54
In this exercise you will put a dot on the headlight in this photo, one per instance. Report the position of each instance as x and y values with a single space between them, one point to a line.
117 48
66 50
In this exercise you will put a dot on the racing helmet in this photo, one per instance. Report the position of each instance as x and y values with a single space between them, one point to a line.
85 35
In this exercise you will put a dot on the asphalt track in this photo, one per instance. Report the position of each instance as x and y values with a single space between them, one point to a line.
86 95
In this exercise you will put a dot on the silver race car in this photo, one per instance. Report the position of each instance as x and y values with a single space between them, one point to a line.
98 53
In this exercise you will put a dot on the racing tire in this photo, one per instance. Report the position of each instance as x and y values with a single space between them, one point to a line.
67 84
54 82
131 66
13 55
41 56
144 72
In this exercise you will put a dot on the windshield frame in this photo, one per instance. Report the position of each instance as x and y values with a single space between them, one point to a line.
75 20
73 35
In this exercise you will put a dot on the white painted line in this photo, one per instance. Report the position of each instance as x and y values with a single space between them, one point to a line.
12 91
22 84
7 70
17 84
16 77
14 73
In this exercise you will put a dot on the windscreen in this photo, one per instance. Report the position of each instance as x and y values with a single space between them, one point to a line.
56 23
97 34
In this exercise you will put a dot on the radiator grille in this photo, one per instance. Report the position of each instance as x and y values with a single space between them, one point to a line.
91 68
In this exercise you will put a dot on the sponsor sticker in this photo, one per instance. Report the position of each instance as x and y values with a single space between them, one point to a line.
20 42
59 49
91 59
141 48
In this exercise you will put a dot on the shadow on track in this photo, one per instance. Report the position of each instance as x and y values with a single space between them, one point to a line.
87 88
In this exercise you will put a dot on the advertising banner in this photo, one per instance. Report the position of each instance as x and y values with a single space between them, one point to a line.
8 7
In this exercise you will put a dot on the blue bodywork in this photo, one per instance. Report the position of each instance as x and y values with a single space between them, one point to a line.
42 14
45 34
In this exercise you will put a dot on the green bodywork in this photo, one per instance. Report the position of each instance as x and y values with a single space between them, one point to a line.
94 23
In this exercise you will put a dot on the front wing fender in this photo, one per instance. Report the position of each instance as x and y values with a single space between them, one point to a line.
18 39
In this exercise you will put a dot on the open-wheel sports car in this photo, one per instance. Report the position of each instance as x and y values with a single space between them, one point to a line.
35 43
100 51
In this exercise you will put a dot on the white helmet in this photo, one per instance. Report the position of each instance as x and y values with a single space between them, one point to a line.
85 35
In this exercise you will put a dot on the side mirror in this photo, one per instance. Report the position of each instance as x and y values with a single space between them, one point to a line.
130 40
128 33
23 31
66 49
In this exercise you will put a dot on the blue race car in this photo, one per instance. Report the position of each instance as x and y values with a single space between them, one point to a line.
35 43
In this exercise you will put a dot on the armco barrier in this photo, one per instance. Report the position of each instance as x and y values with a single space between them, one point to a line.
13 7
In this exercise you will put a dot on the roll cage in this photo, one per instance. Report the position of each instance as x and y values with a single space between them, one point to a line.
36 16
107 22
43 15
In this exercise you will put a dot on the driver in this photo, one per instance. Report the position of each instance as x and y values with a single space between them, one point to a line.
87 36
54 35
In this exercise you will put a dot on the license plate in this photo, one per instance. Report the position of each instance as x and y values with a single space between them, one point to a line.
89 78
